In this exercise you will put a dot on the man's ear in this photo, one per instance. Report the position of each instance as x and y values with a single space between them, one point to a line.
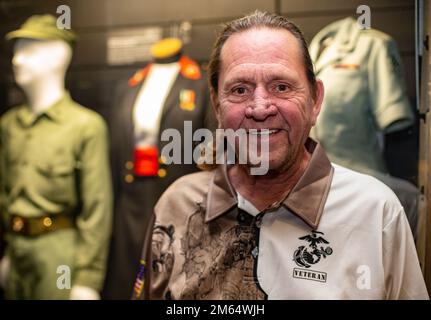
317 101
215 103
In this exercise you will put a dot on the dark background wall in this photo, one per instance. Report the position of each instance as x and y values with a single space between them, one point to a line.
91 79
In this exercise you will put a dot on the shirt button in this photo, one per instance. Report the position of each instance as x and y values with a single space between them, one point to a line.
161 173
241 217
255 252
129 165
129 178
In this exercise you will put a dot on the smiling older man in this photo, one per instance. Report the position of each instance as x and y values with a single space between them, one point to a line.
307 229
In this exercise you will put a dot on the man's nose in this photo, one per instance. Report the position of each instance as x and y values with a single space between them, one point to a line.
261 107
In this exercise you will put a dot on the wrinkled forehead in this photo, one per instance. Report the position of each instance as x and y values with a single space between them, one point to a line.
257 44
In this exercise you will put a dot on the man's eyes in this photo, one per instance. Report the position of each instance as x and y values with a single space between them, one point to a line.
239 90
275 88
282 87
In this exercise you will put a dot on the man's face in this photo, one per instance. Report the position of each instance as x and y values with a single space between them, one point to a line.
263 85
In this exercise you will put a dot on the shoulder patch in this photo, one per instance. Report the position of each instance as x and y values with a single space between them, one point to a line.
139 76
189 68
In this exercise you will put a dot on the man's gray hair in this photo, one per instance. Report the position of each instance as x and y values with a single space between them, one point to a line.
258 19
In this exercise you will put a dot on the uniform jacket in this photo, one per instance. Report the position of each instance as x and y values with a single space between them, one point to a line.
58 163
365 93
135 197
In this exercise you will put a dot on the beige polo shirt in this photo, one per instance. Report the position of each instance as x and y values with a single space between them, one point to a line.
338 235
363 247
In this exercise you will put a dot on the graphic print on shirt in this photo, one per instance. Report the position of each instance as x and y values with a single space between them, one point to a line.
219 264
163 255
310 254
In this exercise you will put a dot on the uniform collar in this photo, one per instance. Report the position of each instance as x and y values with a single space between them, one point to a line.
345 35
306 200
54 112
189 69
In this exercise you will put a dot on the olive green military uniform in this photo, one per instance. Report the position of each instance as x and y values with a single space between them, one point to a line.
364 93
55 164
56 187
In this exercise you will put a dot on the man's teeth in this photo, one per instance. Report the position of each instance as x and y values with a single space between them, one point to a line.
263 132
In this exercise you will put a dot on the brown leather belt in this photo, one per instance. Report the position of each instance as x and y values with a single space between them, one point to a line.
36 226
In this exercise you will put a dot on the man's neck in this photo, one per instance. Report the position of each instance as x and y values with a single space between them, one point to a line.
263 191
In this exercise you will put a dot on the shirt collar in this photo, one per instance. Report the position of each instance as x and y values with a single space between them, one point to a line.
246 205
345 35
344 31
306 200
348 34
54 112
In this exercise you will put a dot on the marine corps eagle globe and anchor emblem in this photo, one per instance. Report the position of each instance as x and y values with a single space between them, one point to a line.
310 254
305 256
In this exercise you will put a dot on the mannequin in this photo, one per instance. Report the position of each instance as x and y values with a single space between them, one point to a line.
154 91
375 101
40 70
40 67
165 93
355 117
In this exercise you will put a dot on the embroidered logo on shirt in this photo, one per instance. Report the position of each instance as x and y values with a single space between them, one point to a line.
307 255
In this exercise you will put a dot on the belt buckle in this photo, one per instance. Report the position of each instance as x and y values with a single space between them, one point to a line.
17 224
47 223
